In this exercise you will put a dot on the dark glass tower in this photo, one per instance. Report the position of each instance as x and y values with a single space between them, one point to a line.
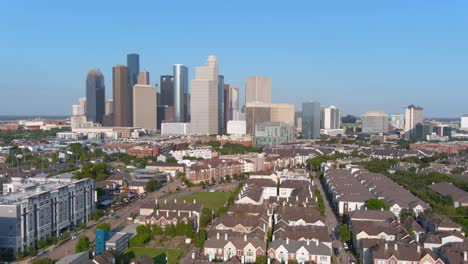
180 93
95 96
311 120
133 67
221 128
167 90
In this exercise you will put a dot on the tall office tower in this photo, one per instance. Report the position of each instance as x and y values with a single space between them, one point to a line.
144 78
331 118
298 120
221 116
82 102
78 117
227 104
109 107
310 120
282 113
122 97
95 96
374 122
255 114
204 98
235 110
167 90
464 123
413 116
397 121
133 69
180 93
144 106
258 89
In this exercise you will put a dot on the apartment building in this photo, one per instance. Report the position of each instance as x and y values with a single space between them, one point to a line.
35 208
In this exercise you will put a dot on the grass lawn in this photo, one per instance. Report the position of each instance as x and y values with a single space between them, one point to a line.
211 200
158 255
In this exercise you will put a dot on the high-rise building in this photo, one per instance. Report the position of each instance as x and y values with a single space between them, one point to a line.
221 113
204 98
422 130
143 78
144 107
122 97
109 109
167 90
133 69
95 96
165 113
374 122
255 114
413 116
310 120
464 123
227 104
397 121
298 120
78 117
234 96
282 113
258 89
331 118
180 93
82 102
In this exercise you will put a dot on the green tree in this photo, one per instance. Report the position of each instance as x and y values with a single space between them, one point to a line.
97 214
170 230
104 226
200 238
344 233
83 244
376 204
261 260
43 261
143 229
157 231
171 160
151 185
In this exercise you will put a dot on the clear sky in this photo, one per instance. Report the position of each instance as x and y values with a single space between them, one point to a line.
358 55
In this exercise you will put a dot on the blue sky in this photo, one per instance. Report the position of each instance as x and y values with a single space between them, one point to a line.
358 55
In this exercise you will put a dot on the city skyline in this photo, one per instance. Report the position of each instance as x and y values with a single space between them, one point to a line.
366 52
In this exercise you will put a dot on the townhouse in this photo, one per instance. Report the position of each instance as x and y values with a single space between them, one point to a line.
213 169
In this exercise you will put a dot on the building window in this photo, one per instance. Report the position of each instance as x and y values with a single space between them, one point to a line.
249 253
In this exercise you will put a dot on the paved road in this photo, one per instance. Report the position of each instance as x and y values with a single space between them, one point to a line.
333 225
69 246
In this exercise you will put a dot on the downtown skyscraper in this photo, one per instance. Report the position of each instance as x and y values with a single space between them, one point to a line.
221 109
311 120
122 94
258 89
133 69
95 96
204 98
180 93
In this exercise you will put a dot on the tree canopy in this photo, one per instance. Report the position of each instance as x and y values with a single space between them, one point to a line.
376 204
83 244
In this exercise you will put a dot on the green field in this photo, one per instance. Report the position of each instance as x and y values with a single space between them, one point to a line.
211 200
158 255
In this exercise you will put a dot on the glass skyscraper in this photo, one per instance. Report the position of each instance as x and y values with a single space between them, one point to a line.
95 96
133 67
221 128
311 120
181 93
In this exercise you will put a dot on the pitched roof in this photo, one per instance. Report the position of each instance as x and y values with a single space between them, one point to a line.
308 214
294 245
372 215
